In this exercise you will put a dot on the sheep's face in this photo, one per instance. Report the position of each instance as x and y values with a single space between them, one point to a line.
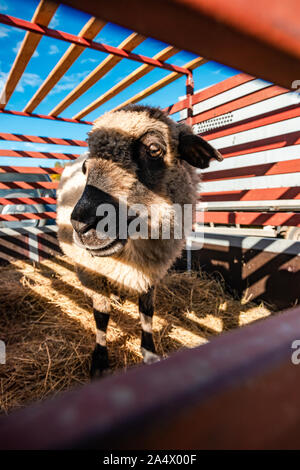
134 164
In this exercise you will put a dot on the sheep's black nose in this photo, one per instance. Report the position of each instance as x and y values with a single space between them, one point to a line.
84 216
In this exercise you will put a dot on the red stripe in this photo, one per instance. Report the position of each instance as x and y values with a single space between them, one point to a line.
291 112
42 140
33 154
28 215
252 195
276 168
44 116
251 218
27 200
32 185
214 90
81 41
238 103
278 141
30 169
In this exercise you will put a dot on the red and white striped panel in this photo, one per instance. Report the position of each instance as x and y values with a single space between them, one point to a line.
256 126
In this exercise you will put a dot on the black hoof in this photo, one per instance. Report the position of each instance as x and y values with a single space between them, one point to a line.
100 362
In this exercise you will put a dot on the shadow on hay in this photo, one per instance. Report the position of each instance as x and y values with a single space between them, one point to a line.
47 325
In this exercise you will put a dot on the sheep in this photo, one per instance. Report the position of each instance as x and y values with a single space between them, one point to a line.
137 156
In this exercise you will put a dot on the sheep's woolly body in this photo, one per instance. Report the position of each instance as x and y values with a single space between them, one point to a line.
142 262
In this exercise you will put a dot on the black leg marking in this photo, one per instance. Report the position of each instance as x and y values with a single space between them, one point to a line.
146 309
100 363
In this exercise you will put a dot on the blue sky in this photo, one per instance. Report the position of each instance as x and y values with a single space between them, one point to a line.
47 55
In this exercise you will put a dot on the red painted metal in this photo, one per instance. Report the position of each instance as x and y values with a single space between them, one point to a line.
251 218
33 154
238 103
44 116
255 122
27 200
81 41
276 168
42 140
257 37
252 195
239 391
31 169
25 185
27 216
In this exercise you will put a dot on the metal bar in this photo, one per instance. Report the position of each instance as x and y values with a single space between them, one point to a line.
89 31
43 116
250 218
252 37
231 393
28 216
110 61
252 195
26 185
193 64
264 169
56 34
189 96
27 200
33 154
31 169
127 81
42 140
42 15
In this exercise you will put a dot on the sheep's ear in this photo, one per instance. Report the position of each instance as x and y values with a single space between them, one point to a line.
196 151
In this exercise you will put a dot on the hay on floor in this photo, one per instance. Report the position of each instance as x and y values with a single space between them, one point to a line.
47 325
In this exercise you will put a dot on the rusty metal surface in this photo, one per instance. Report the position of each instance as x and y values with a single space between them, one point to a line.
260 37
240 391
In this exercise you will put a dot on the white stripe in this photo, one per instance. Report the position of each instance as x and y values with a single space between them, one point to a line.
273 205
33 247
259 182
229 95
255 158
273 245
270 130
26 230
256 109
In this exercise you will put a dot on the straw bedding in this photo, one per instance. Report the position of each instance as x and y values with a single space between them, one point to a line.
47 325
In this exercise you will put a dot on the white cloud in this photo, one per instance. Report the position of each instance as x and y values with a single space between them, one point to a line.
3 32
83 61
55 21
28 79
18 45
53 50
3 6
68 82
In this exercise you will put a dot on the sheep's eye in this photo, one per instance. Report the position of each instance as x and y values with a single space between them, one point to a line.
84 168
155 150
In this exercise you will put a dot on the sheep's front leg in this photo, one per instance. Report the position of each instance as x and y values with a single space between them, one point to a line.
146 310
100 362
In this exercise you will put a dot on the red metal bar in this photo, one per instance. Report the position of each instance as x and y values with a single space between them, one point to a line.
42 140
239 391
252 195
271 118
254 37
33 154
27 200
44 116
189 95
81 41
264 169
251 218
32 185
238 103
31 169
27 216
